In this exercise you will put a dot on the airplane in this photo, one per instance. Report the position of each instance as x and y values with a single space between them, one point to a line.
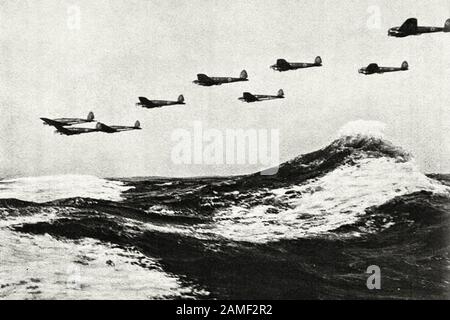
410 28
248 97
67 121
114 129
374 68
204 80
283 65
71 131
145 103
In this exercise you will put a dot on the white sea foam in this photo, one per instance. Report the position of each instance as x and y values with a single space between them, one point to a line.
48 188
41 267
324 204
363 128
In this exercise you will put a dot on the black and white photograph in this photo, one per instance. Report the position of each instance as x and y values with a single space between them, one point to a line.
224 151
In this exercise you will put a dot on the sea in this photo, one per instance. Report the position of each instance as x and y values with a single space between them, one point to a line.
314 230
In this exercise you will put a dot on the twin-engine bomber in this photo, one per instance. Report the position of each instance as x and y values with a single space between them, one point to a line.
113 129
374 68
283 65
68 121
204 80
410 28
248 97
150 104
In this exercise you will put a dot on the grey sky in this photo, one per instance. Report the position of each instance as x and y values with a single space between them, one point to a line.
126 49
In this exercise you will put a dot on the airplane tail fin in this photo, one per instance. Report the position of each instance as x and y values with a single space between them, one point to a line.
318 61
137 125
280 93
90 116
447 26
405 65
181 98
243 74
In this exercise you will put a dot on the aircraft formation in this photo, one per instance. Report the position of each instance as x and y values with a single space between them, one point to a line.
65 126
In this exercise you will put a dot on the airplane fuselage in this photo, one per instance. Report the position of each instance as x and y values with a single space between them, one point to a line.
380 70
294 66
113 129
217 81
395 32
161 103
74 131
64 121
121 128
260 97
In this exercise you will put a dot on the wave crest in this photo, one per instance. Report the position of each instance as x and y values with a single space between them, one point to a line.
321 205
363 128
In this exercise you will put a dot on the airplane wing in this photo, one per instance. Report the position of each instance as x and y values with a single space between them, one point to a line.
203 78
409 26
373 67
61 130
103 127
146 103
50 122
283 64
249 97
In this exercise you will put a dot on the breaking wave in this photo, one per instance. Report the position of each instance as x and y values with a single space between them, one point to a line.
324 204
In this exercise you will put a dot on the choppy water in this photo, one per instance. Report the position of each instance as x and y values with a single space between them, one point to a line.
310 231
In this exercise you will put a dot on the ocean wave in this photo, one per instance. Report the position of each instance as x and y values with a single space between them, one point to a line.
49 188
317 193
41 267
324 204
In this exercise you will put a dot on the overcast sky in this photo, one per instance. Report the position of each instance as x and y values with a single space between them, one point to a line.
124 49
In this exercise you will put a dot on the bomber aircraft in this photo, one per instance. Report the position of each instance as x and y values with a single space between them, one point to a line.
410 28
204 80
150 104
248 97
71 131
67 121
374 68
283 65
114 129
